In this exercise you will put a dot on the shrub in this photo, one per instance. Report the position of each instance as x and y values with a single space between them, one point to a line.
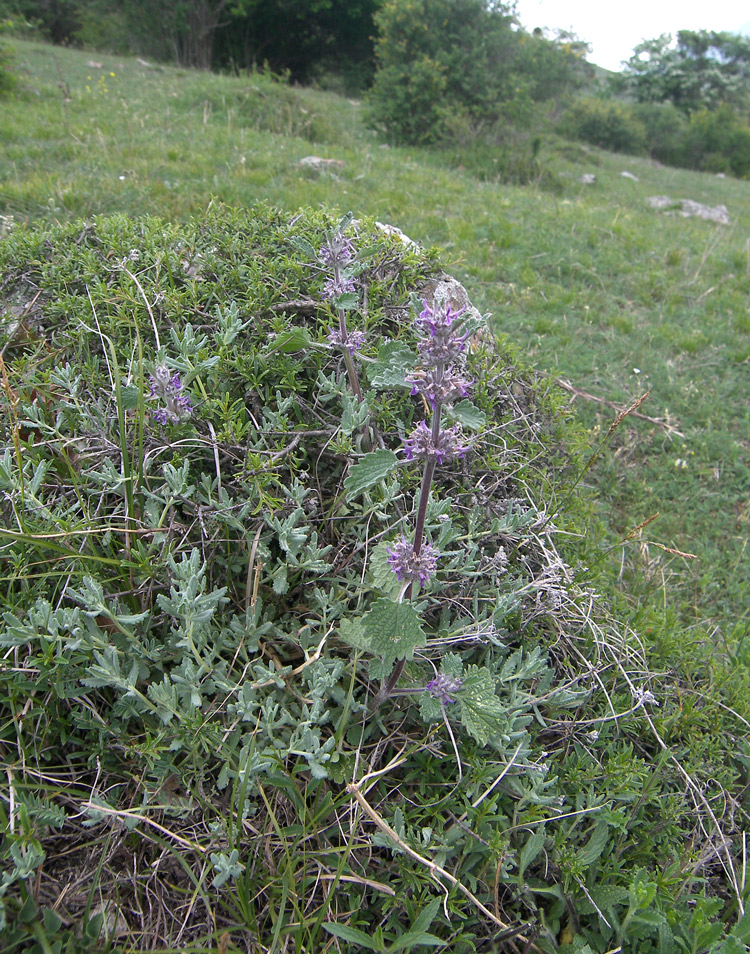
441 58
718 141
7 70
665 127
606 124
213 476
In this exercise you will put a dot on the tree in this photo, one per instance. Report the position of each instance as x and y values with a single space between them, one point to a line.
703 70
441 61
298 37
301 37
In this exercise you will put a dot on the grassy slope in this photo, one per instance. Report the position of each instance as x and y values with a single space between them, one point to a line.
586 280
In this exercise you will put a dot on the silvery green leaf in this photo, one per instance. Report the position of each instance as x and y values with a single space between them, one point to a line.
226 866
430 708
129 397
302 245
368 471
379 669
354 414
382 572
350 630
280 582
595 845
391 366
482 713
346 220
349 301
393 629
452 665
467 414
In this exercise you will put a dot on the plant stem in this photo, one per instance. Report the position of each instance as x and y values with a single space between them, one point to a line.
352 374
424 495
424 492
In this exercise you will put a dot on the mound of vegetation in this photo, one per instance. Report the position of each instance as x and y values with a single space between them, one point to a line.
283 613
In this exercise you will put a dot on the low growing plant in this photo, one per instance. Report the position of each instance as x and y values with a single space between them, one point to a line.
283 611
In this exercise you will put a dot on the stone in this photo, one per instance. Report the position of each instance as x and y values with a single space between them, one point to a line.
691 209
317 164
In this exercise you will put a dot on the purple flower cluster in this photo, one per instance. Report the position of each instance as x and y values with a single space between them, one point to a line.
411 567
441 346
441 685
354 339
448 446
166 387
441 342
338 253
338 284
439 384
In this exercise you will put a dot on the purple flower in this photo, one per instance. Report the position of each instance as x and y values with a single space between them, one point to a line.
448 445
167 388
437 319
338 284
439 385
442 350
354 339
442 343
441 685
411 567
338 252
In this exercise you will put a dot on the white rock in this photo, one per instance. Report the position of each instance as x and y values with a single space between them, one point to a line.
321 165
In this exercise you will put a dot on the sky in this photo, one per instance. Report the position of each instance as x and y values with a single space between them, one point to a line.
613 30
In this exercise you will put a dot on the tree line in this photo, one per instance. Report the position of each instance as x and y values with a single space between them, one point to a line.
684 101
446 71
299 38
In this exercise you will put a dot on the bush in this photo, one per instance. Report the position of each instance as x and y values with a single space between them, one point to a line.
606 124
718 141
437 59
665 127
210 663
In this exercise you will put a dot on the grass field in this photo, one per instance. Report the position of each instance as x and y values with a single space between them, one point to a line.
588 282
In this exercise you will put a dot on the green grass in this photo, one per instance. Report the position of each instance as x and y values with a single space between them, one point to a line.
584 281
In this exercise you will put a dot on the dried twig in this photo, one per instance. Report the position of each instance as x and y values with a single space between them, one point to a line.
577 392
435 870
303 306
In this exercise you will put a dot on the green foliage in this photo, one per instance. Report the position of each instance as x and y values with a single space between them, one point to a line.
665 129
607 124
717 140
300 38
7 69
442 64
210 613
714 140
703 70
594 285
